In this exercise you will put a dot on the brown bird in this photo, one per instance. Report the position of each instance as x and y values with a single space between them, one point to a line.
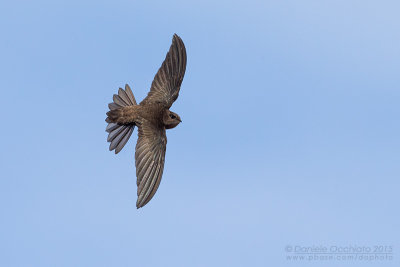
152 116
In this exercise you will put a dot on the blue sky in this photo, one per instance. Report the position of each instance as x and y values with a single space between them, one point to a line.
290 133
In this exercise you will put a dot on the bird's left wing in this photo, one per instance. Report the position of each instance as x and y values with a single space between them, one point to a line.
149 159
167 82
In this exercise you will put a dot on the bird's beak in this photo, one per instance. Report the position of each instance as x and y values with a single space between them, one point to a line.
180 120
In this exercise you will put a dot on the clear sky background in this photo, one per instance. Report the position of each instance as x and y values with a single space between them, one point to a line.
290 133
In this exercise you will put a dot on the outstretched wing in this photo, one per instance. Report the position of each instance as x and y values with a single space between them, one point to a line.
168 80
149 159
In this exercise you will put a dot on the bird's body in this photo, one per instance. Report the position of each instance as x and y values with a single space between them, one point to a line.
133 114
152 116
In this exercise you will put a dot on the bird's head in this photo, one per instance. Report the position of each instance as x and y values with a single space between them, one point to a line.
171 119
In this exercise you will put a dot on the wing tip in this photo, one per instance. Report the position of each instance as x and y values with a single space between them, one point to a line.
139 204
176 38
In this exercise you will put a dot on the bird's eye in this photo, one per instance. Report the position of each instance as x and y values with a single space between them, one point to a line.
172 116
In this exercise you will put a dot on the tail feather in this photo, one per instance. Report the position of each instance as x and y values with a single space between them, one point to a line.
112 136
124 139
113 106
130 95
119 101
119 134
122 94
111 127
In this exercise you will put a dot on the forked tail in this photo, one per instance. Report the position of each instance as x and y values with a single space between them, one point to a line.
119 133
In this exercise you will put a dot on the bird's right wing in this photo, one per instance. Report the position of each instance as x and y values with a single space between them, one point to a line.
167 82
149 159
